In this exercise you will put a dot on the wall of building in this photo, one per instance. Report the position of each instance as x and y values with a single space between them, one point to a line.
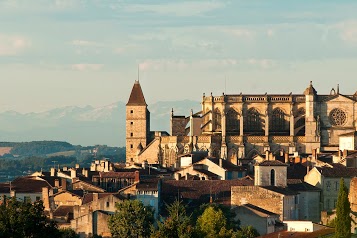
263 175
309 206
66 198
150 153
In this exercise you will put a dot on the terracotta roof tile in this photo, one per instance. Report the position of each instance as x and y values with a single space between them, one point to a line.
337 171
136 96
272 163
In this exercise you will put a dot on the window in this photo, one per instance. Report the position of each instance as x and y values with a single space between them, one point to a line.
131 146
131 134
254 122
131 111
27 199
38 198
328 186
217 119
131 123
272 177
232 120
107 204
278 123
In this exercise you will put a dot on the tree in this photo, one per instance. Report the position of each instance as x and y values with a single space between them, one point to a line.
24 219
176 225
68 233
343 210
246 232
212 223
131 219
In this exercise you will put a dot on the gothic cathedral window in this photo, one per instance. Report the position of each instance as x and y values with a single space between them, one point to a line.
254 122
232 121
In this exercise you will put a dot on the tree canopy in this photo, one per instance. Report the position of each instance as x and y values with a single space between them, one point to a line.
24 219
131 219
343 210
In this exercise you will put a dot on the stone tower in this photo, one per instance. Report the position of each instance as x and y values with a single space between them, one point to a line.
312 120
137 123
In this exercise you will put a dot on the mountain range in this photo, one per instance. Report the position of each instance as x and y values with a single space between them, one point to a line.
85 125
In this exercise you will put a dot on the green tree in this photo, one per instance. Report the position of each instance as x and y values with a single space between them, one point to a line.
131 219
343 210
68 233
246 232
176 225
24 219
212 223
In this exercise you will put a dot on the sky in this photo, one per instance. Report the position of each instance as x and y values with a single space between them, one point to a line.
57 53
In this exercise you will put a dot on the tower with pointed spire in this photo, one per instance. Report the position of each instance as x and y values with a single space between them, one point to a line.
137 123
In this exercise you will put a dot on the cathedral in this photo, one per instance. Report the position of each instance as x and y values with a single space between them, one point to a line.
237 127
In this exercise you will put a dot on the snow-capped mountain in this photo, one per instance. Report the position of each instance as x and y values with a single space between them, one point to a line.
85 125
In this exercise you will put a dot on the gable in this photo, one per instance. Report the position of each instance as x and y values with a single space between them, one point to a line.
338 99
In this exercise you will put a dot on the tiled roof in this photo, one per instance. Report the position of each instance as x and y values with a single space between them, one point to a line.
281 190
272 163
206 172
89 197
259 211
62 211
227 165
27 184
201 190
337 171
294 234
136 96
112 174
299 185
296 171
148 184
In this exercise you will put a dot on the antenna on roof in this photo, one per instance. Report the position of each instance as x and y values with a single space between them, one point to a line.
225 84
138 72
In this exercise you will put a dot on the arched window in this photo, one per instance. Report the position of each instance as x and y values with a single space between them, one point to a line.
254 122
217 119
272 177
278 122
232 121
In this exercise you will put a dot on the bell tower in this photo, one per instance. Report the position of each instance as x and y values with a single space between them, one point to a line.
137 123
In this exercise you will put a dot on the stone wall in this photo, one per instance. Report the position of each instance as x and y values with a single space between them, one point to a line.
258 196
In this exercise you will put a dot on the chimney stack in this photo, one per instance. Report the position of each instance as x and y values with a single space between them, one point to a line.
45 198
267 155
286 157
56 183
53 172
64 184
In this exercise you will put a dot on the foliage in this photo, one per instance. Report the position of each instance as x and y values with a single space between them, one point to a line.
176 225
246 232
212 223
68 233
23 219
343 210
332 223
131 219
40 147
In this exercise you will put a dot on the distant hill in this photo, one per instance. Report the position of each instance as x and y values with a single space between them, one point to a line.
85 125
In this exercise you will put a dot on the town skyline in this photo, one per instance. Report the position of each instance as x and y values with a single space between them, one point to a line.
78 53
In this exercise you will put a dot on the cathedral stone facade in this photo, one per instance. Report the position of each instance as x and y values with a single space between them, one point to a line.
238 127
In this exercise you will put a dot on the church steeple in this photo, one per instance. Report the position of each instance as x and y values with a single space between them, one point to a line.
137 96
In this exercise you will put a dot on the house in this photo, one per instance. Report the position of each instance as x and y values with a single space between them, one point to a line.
91 217
249 215
212 168
327 178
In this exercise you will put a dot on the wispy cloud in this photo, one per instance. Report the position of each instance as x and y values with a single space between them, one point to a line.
13 45
187 8
84 43
348 31
87 67
205 64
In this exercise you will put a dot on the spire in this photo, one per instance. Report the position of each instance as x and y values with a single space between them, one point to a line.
136 95
310 90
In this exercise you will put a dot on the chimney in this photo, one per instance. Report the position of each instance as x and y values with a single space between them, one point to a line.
186 178
64 184
65 168
95 201
56 183
267 155
45 198
73 173
286 157
220 162
13 193
77 166
271 156
177 176
137 176
53 172
85 172
345 153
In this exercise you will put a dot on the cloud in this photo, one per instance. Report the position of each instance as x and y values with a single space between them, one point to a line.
13 45
188 8
205 64
84 43
87 67
348 31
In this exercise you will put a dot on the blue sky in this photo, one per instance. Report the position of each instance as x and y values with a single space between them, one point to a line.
56 53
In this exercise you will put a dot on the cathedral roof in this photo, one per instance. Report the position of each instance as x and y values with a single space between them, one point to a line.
136 95
310 90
